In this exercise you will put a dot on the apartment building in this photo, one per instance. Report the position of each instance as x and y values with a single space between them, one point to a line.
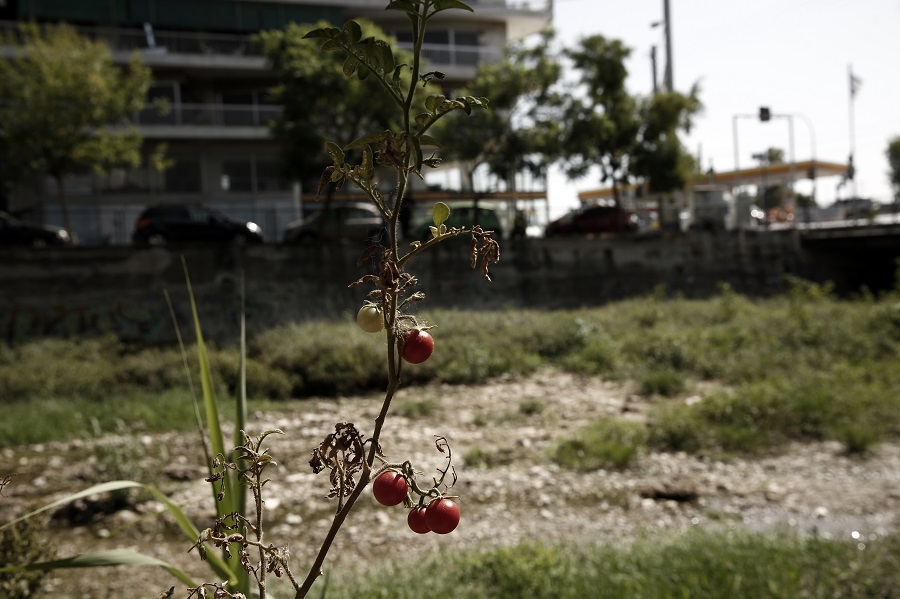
215 81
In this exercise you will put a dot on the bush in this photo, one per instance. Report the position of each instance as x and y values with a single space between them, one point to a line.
605 443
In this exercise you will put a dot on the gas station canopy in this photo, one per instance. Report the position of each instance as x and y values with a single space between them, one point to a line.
767 175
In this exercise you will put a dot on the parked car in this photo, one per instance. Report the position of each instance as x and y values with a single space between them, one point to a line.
358 221
463 214
594 220
15 232
162 224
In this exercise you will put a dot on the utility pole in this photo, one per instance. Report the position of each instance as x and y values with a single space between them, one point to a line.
667 23
653 66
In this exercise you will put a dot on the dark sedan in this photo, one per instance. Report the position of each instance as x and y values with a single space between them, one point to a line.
162 224
18 233
592 220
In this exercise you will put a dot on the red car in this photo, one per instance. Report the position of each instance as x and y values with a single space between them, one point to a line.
593 220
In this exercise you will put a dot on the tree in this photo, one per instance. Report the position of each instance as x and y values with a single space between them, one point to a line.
512 134
66 107
660 157
320 102
601 118
893 156
771 196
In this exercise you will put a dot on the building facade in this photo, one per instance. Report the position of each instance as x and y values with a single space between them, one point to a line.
216 84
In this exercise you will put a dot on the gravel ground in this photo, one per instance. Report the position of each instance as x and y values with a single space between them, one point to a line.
525 497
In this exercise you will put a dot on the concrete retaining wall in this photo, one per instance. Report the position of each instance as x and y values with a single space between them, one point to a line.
120 290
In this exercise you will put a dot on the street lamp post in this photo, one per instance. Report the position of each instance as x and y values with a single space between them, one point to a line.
734 132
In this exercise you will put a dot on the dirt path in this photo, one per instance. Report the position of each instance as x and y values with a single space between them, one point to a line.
512 423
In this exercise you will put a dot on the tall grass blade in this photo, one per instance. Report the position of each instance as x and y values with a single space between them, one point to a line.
111 557
214 429
94 490
190 379
240 426
221 569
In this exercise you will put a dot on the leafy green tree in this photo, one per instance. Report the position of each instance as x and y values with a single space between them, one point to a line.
515 133
66 107
893 156
660 157
320 102
601 120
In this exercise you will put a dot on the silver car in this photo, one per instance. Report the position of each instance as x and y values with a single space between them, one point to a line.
358 221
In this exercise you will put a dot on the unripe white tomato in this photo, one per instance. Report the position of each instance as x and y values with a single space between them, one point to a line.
369 319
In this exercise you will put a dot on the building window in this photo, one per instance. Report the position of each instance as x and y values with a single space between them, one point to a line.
184 176
237 176
269 177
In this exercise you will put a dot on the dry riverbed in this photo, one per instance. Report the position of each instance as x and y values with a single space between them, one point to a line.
523 496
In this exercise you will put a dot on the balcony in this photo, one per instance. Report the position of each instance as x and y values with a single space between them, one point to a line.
172 48
207 121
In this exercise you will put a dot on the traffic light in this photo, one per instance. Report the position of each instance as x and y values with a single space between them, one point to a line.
765 114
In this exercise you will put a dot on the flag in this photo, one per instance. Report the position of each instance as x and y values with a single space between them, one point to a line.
855 83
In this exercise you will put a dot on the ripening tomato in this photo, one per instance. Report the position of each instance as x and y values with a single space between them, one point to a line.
390 488
442 516
369 319
417 346
417 522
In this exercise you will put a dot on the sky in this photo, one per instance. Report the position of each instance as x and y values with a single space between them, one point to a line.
793 56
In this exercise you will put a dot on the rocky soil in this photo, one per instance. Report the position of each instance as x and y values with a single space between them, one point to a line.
521 496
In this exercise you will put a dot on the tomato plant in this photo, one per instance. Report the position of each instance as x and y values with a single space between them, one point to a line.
417 521
417 346
370 319
390 488
442 516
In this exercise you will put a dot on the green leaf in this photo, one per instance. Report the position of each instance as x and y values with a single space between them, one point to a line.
386 56
353 30
434 101
335 152
364 141
427 140
328 32
404 5
350 66
440 5
441 213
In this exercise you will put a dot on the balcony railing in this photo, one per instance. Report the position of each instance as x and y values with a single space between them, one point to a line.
209 115
170 42
457 55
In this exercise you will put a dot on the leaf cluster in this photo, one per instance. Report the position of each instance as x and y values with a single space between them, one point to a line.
64 104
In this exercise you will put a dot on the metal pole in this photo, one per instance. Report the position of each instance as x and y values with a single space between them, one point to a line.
793 175
737 169
852 128
670 82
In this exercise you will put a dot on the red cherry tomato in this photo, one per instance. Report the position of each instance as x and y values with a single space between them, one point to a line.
442 516
417 346
390 488
417 522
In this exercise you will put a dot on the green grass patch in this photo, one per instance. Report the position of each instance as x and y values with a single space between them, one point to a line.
605 443
801 366
61 419
733 565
